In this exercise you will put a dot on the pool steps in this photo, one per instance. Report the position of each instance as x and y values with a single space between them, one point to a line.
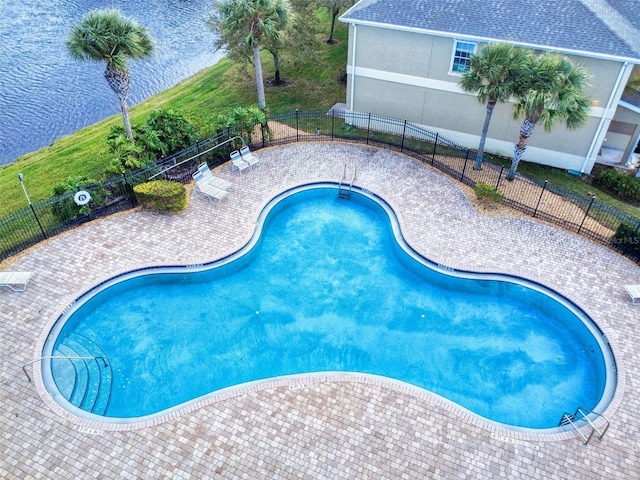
86 382
77 376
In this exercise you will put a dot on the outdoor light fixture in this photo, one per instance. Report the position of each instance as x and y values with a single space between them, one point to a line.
24 189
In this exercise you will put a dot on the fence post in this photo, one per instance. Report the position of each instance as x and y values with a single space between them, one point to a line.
464 167
435 145
586 213
297 128
333 122
404 131
129 189
368 127
262 125
44 235
499 177
544 187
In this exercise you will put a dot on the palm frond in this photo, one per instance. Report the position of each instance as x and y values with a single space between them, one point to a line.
107 35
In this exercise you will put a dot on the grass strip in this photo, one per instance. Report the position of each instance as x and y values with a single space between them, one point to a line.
313 85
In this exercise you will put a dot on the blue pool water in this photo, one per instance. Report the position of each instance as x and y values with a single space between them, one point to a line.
327 286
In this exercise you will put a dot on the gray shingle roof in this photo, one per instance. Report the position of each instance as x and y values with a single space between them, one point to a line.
587 26
630 9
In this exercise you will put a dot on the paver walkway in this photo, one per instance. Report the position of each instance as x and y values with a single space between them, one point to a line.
335 428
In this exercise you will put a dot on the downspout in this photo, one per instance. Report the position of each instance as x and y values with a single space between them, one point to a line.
353 68
613 95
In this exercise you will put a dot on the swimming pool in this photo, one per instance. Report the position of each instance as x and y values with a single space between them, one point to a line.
327 284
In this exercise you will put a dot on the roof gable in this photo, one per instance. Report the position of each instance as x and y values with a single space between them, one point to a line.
587 27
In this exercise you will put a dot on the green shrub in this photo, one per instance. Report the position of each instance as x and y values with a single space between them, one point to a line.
166 132
246 119
64 207
627 238
161 196
126 156
489 193
163 133
622 186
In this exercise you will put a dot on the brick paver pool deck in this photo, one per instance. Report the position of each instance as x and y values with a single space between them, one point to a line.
310 427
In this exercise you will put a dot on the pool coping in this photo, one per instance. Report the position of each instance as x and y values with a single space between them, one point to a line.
307 380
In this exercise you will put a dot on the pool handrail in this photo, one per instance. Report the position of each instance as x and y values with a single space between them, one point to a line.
569 419
50 357
217 145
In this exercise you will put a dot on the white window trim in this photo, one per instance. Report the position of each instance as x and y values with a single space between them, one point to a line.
453 54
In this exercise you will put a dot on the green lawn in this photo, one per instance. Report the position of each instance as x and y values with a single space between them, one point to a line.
315 85
214 91
560 178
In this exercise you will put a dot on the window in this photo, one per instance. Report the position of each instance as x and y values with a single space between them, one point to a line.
461 55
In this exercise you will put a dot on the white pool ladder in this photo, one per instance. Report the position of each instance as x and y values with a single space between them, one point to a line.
572 419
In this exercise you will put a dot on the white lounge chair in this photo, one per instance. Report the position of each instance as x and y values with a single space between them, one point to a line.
206 190
211 179
16 281
237 162
249 157
634 293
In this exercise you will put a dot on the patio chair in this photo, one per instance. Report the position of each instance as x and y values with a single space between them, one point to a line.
634 293
16 281
211 179
249 157
237 162
206 190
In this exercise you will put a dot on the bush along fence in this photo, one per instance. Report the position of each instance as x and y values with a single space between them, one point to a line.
584 215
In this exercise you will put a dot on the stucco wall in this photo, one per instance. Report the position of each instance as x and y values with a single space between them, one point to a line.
406 75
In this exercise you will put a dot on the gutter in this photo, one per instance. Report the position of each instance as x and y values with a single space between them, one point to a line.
353 68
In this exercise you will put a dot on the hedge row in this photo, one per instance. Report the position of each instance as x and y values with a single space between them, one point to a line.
622 186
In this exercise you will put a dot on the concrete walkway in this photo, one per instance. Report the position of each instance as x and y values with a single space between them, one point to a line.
313 428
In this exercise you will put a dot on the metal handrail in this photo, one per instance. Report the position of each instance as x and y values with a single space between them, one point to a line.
601 434
49 357
344 180
344 176
567 418
199 155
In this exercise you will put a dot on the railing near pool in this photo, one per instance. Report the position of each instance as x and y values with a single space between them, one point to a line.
63 357
581 214
190 160
570 419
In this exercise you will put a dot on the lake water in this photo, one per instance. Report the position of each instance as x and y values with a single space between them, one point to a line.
45 94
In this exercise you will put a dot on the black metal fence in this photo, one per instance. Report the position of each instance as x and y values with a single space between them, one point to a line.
583 215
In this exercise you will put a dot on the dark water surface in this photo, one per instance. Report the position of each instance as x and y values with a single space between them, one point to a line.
45 94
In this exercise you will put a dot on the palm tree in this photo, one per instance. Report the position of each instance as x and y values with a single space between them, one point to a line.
108 36
554 91
254 21
494 76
